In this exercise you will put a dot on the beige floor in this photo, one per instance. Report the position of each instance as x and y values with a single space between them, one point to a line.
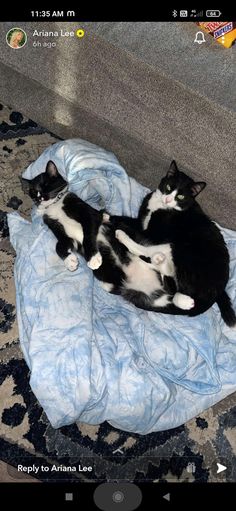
9 474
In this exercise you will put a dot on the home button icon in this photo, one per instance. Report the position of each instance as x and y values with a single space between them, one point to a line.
117 496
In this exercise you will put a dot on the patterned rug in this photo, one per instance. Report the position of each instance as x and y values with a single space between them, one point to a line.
187 453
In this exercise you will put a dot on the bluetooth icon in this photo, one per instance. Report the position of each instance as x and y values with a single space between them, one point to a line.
174 13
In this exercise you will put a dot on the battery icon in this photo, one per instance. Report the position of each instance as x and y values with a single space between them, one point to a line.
213 14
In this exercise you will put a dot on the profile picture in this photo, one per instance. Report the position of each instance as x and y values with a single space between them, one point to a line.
16 38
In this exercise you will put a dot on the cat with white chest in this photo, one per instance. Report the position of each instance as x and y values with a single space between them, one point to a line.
183 242
80 228
74 223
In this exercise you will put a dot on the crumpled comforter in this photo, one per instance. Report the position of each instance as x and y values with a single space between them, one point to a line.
92 355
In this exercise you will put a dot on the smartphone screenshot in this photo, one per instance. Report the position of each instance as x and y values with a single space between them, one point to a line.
117 256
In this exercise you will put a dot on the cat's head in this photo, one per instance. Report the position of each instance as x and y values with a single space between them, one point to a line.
45 186
179 190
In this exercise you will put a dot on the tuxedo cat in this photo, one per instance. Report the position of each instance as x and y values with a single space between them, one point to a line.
74 223
135 278
79 227
184 243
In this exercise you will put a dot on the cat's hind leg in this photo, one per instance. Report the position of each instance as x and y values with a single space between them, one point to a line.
182 301
65 245
107 286
163 261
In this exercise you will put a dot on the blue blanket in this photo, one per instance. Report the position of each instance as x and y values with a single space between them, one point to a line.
94 357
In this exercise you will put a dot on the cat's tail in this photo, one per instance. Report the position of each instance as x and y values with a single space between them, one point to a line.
226 309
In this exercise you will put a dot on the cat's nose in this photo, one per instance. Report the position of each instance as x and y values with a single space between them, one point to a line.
168 199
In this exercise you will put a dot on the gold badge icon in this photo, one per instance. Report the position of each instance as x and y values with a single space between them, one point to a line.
80 32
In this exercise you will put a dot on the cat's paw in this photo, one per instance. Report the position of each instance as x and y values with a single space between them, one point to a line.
158 258
107 286
105 218
71 262
95 262
184 302
120 235
41 209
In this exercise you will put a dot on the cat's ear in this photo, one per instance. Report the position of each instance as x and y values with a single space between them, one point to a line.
51 169
197 187
25 183
173 170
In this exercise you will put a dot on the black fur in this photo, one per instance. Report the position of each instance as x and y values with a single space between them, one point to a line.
111 273
199 252
46 186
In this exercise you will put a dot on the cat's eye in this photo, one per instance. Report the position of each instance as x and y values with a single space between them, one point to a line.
180 197
168 188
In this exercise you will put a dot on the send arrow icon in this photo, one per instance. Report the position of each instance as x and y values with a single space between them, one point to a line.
220 468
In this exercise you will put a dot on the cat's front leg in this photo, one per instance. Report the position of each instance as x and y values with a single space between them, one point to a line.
136 248
65 252
131 245
64 246
95 262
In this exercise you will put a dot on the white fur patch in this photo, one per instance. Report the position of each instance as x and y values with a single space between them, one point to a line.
72 228
95 261
158 258
166 266
71 262
160 200
162 301
107 286
182 301
141 277
101 238
154 204
169 201
163 260
131 245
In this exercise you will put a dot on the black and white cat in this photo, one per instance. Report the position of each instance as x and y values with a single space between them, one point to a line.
74 223
79 227
137 279
185 244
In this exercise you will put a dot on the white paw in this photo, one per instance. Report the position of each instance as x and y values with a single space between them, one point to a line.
184 302
105 218
95 261
71 262
162 301
158 258
107 286
120 235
